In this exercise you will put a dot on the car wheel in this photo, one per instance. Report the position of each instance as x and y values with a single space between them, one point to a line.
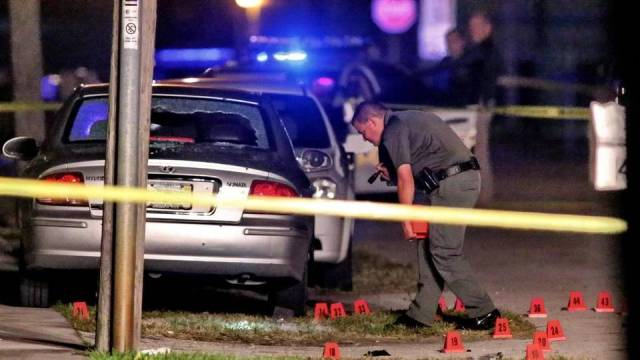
336 276
34 291
291 300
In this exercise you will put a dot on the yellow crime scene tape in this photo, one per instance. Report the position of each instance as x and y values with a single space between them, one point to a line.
303 206
530 111
545 112
29 106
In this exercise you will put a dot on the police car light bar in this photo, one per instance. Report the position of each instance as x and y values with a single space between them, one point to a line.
290 56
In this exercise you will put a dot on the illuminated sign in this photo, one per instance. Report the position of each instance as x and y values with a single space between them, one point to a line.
394 16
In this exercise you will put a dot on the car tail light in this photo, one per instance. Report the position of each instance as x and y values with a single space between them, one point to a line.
67 178
271 188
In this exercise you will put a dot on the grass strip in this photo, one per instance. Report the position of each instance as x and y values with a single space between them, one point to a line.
182 356
262 330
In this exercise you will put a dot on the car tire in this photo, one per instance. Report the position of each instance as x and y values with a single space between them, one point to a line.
336 276
291 300
34 291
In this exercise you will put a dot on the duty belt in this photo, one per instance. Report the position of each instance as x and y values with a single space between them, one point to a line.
457 169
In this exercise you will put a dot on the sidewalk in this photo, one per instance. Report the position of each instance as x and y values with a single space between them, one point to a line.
28 333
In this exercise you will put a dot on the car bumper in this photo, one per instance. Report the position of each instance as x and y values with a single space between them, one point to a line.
250 248
330 230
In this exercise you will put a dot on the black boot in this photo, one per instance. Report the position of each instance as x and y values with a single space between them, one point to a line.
484 322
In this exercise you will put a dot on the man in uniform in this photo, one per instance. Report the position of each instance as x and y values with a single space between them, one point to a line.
422 155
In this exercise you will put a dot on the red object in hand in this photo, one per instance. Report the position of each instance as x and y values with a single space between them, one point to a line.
421 228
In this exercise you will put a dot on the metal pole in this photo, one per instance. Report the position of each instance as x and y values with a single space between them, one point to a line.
126 175
103 329
147 36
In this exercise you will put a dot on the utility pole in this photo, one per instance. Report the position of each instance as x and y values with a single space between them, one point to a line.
26 61
130 100
147 48
103 339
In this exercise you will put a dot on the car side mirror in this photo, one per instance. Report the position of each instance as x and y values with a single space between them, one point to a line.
20 148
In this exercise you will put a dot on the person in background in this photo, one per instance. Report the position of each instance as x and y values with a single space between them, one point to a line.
449 80
456 44
482 59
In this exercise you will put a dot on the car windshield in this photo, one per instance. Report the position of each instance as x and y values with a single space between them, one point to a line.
185 120
303 120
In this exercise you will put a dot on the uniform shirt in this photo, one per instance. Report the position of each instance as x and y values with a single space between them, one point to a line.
420 139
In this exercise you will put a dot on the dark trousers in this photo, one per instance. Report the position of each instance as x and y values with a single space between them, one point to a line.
440 258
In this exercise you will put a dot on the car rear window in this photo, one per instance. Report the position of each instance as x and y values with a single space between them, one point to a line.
303 120
186 120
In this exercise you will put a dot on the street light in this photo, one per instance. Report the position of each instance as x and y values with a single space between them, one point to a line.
247 4
252 9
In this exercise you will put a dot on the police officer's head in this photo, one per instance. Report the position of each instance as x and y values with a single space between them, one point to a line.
368 120
480 26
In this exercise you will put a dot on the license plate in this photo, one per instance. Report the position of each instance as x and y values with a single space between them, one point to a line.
170 187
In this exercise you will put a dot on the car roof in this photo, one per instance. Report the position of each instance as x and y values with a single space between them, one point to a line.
183 88
254 83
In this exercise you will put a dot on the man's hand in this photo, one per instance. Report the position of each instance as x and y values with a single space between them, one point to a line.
409 234
384 172
406 191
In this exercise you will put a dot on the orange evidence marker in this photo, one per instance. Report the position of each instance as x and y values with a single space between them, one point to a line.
502 330
453 343
537 310
337 310
331 351
605 302
320 311
80 310
576 302
554 331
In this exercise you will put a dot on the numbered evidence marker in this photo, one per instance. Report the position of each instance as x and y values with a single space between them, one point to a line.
534 352
605 302
80 310
360 306
540 339
337 311
537 310
576 302
331 351
554 331
320 311
502 330
453 342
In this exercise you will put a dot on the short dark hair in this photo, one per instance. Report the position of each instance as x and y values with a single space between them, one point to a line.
484 14
367 109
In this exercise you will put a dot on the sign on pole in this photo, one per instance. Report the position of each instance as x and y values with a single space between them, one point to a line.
608 147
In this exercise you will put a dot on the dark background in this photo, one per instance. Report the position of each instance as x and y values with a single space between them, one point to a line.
554 39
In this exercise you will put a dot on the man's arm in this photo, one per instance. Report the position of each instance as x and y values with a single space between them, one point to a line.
406 192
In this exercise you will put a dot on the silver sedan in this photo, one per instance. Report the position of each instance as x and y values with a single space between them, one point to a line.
229 143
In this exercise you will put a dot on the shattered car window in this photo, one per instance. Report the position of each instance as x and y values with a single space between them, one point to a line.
303 120
181 120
